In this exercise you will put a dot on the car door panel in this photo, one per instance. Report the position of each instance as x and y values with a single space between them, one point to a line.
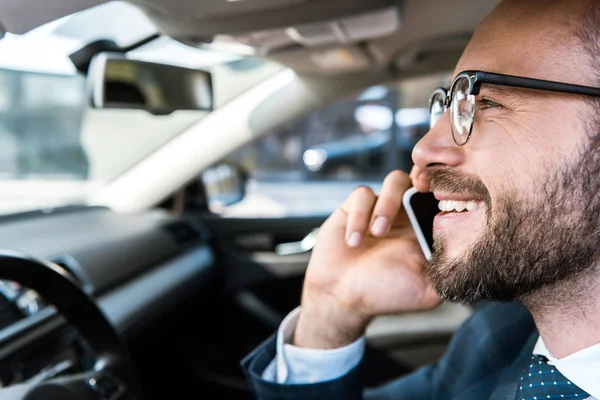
249 247
270 282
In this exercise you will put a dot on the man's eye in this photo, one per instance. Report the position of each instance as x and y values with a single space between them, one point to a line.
487 103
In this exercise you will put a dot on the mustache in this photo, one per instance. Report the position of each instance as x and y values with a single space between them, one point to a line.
457 182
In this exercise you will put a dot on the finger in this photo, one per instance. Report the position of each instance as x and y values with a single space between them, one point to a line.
414 171
420 179
389 202
359 207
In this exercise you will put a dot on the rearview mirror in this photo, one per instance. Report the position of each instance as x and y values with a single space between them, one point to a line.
116 81
224 185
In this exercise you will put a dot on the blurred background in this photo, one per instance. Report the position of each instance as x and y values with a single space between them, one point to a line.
56 149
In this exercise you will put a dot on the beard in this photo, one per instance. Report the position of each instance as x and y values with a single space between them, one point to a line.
526 245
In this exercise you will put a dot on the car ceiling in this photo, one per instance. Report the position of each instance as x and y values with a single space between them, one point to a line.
310 36
421 24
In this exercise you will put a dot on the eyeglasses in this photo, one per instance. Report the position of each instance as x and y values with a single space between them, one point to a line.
465 87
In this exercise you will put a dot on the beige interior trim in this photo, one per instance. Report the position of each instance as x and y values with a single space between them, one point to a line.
395 330
277 100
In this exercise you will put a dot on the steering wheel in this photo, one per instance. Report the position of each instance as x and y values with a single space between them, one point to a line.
112 377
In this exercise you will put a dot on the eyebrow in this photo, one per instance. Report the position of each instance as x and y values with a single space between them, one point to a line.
507 92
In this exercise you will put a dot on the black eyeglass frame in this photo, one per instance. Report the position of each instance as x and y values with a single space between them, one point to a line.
477 78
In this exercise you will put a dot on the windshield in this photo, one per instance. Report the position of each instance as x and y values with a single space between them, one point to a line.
55 149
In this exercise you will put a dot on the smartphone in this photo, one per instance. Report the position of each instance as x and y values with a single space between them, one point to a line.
421 209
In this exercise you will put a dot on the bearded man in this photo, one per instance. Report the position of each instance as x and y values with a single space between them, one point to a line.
514 153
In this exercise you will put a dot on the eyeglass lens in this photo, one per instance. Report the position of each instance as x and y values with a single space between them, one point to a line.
436 108
462 111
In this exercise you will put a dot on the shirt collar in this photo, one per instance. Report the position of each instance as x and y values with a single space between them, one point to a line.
582 368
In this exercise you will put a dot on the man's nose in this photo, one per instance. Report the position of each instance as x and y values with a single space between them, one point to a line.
437 148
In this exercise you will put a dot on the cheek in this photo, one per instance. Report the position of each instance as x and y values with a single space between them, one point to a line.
512 173
518 154
504 167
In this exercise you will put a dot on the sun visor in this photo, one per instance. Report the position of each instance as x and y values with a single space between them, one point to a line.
21 16
338 32
266 26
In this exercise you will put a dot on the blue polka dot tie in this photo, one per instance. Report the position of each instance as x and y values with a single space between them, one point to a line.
542 381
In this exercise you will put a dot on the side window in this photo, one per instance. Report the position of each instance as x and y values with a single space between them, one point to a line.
308 166
39 130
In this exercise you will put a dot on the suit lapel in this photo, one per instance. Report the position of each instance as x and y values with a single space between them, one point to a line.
508 380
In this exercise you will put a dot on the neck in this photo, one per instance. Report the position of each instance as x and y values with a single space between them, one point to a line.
567 314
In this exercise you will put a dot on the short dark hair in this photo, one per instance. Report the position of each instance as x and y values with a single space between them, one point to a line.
587 32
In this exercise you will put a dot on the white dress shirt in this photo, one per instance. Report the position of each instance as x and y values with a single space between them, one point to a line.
297 365
581 368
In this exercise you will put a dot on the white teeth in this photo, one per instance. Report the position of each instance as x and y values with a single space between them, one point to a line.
446 205
458 206
450 205
471 205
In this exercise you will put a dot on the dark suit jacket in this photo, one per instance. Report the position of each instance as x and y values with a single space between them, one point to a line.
484 360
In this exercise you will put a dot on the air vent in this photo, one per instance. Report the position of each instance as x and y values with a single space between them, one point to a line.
183 232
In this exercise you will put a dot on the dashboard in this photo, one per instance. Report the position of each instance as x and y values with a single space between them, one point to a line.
135 267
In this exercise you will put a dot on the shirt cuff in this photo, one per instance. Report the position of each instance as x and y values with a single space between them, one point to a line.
298 365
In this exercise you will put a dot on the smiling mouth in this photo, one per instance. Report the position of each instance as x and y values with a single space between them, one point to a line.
460 206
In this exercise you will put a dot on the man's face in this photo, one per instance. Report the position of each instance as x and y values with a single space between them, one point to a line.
532 161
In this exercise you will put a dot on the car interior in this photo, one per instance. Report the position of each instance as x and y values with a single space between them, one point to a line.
174 259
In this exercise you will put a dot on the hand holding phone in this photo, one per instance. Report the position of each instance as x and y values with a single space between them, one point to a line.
365 263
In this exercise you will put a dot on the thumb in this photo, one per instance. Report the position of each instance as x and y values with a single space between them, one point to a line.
431 298
420 179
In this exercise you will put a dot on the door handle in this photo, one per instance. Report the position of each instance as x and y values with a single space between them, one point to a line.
303 246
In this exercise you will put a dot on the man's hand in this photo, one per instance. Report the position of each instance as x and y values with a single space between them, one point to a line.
366 262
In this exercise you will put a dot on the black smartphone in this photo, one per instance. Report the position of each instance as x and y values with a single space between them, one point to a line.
421 209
